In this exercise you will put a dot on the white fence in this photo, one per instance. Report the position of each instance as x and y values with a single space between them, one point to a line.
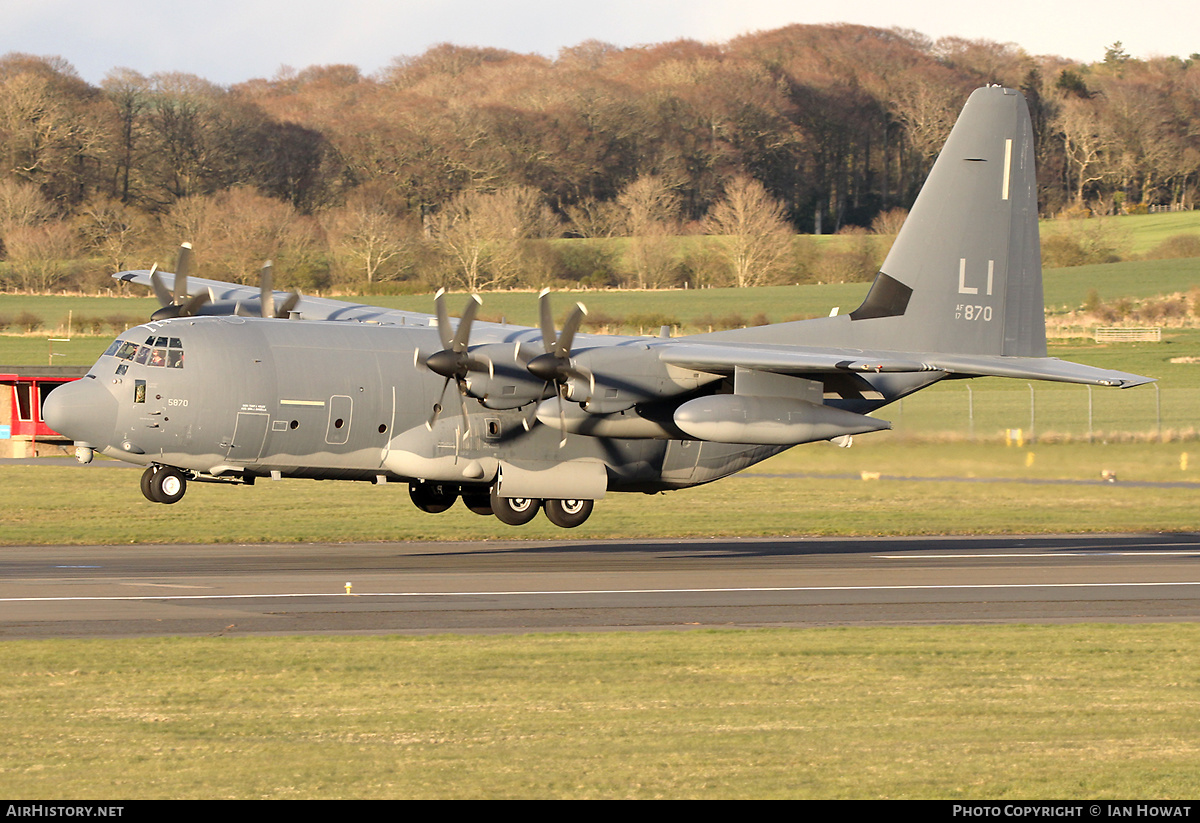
1131 335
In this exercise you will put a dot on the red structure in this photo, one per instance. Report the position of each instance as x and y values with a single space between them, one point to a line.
21 428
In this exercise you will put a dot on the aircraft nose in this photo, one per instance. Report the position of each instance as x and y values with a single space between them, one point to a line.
82 410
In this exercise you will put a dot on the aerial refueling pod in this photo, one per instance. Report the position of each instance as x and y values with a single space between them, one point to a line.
769 421
771 410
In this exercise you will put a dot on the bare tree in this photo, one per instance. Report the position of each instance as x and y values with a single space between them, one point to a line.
368 238
21 204
755 237
650 214
235 231
40 256
485 234
1085 140
112 230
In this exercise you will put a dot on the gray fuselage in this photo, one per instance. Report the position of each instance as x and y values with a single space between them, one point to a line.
230 396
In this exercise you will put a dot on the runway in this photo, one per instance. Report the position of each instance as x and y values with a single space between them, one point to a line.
578 585
117 591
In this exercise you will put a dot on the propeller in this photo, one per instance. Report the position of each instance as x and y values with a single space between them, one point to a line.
554 365
266 300
454 361
179 304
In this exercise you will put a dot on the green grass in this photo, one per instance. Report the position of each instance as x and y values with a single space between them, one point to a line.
1067 289
811 490
945 712
1140 233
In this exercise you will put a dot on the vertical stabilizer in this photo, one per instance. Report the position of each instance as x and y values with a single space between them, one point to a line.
965 272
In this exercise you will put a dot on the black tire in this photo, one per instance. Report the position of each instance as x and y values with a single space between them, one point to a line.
148 484
168 485
478 502
515 511
568 513
433 498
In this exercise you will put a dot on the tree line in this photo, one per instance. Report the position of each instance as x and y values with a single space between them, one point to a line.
466 166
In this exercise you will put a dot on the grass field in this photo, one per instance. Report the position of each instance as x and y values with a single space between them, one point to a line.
1136 235
981 712
811 490
1014 712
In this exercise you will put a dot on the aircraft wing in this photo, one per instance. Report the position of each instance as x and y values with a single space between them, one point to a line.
224 297
725 358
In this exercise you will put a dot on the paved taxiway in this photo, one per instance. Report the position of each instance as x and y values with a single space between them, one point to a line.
144 590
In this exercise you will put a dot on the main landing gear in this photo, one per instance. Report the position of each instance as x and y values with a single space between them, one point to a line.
514 511
163 484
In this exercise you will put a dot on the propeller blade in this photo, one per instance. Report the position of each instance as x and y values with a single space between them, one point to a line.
546 321
443 318
462 407
182 266
266 294
567 337
161 291
193 305
562 420
463 334
285 311
437 407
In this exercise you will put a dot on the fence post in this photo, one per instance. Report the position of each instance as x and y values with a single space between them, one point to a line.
1158 412
1032 417
1091 431
970 414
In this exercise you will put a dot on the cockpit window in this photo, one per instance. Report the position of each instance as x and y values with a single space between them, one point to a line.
161 352
112 348
127 350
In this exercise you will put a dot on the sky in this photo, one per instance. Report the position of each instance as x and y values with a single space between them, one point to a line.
230 41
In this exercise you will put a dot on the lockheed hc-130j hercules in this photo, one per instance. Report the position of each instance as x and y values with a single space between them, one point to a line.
517 420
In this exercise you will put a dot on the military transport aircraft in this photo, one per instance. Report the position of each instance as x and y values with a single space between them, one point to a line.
514 420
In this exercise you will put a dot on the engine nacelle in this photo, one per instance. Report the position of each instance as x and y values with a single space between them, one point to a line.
505 383
614 378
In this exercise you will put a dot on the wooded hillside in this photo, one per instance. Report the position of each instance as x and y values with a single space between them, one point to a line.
461 165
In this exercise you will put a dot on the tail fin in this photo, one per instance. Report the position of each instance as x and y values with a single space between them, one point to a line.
965 272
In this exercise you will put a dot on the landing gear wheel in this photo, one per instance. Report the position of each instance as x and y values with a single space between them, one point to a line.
515 511
148 484
168 485
568 513
478 502
433 498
